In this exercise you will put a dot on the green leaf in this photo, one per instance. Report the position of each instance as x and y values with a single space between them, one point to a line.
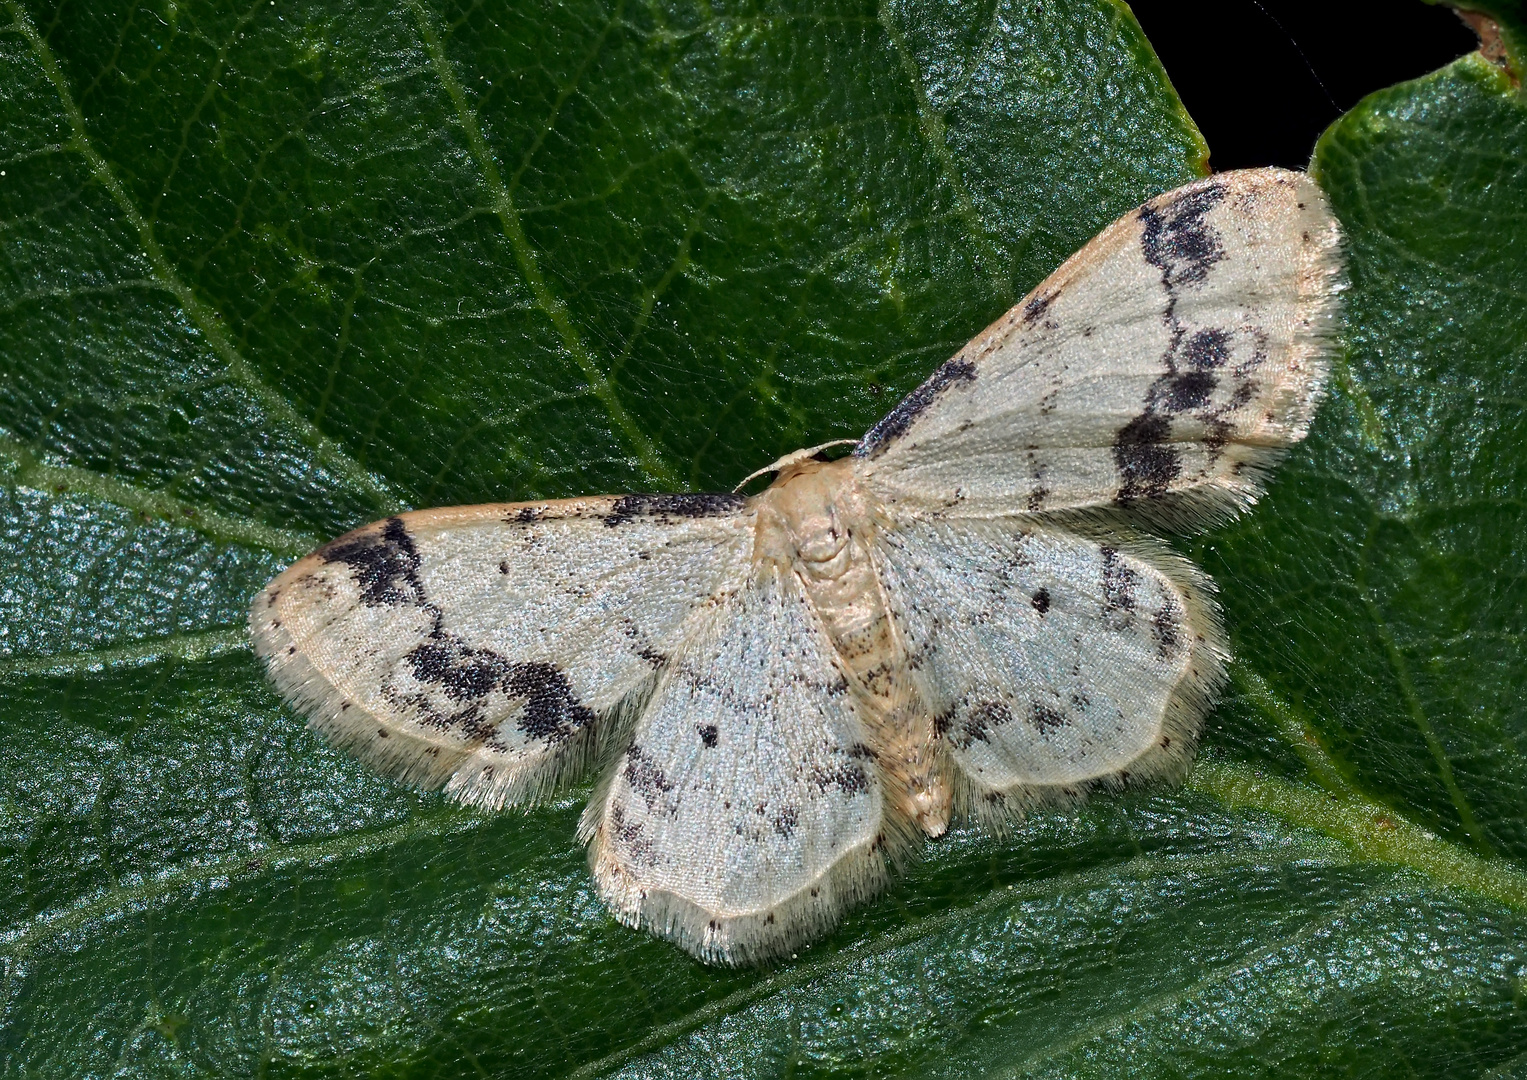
271 272
1383 590
1502 28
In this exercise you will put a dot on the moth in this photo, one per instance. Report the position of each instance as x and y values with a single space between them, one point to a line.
962 618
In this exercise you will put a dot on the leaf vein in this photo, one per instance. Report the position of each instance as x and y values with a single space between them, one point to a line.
208 322
931 124
1413 706
1179 994
27 470
552 305
190 645
138 896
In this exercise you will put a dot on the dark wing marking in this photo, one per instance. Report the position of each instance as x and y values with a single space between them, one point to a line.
1169 362
754 836
477 647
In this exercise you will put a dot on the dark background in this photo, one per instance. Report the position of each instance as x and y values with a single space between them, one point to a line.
1263 78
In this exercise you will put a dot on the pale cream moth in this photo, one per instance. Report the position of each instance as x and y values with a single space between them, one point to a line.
962 617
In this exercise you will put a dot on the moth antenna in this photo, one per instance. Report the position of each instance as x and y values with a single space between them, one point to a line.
792 458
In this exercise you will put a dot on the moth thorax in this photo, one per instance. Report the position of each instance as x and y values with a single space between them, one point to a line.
816 512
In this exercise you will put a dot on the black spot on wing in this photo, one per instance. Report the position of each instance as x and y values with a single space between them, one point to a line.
786 820
842 771
1191 364
384 563
1144 457
896 422
647 779
468 676
1035 307
709 733
551 712
1046 718
696 505
459 671
1206 350
1178 241
1189 391
1119 583
1164 627
638 848
978 722
1041 601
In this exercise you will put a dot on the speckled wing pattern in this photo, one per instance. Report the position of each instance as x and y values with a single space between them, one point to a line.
1053 659
475 648
963 617
1168 363
747 803
1156 375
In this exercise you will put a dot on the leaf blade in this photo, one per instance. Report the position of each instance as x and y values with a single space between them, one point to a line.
754 247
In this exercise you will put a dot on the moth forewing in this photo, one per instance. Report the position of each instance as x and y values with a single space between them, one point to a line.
478 647
1164 366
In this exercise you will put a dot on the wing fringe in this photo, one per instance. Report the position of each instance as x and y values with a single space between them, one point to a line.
744 938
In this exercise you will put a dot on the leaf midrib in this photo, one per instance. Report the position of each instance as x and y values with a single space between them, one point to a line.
1139 868
231 870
